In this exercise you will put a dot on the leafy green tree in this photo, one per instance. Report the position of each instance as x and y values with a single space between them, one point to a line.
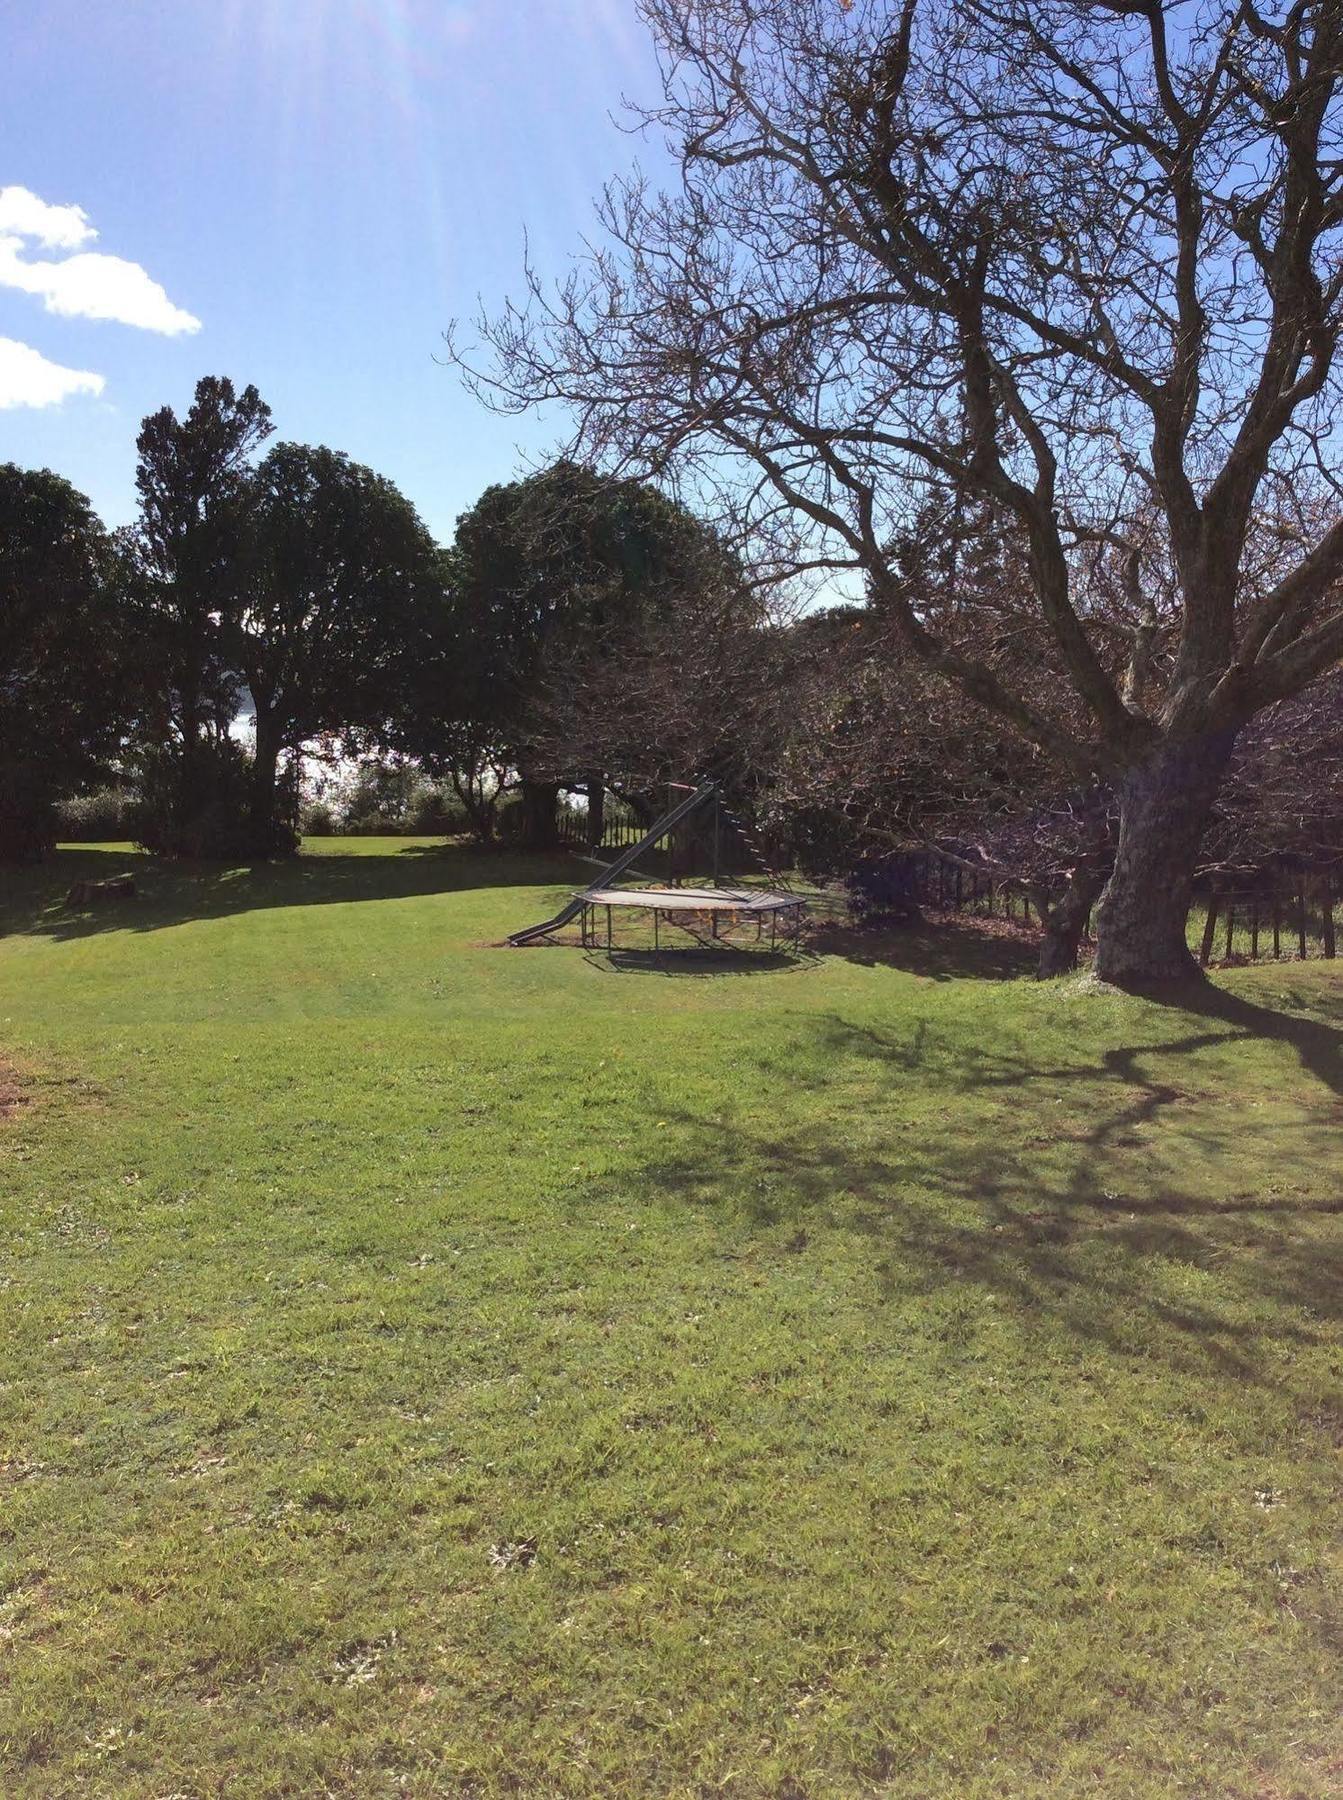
343 580
64 692
550 575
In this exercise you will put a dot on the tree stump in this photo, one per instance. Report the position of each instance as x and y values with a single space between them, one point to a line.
95 893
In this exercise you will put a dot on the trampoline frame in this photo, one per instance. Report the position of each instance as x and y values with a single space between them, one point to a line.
669 901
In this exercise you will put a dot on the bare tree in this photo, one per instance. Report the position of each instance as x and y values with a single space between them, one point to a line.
1079 263
1059 852
872 756
689 690
1281 805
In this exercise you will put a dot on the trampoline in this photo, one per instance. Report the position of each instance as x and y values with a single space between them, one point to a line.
699 911
702 913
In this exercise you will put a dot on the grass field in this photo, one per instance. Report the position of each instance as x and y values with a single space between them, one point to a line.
433 1369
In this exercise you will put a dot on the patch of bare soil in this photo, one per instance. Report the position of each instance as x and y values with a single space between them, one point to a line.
567 938
12 1094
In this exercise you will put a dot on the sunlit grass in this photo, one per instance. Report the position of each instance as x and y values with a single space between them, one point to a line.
442 1370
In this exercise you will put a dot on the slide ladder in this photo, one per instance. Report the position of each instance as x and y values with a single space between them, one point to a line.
624 862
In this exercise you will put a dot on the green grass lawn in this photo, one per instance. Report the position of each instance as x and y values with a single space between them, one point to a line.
434 1369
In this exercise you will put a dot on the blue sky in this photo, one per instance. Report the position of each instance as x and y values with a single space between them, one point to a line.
312 189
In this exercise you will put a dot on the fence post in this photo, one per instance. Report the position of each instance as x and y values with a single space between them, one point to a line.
1277 924
1254 928
1327 913
1301 917
1230 926
1209 926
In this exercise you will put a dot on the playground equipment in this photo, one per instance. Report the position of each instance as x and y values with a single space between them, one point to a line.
701 911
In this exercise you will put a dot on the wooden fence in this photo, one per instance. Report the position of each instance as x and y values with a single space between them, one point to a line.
618 831
941 883
1292 916
1287 915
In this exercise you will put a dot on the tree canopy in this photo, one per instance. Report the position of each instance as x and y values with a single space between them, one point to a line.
66 690
550 579
343 581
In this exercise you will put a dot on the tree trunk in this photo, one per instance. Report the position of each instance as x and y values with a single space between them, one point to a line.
644 807
1064 920
539 800
1164 805
481 808
265 768
596 811
191 788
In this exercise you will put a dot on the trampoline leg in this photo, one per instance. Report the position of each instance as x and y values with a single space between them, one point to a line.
773 928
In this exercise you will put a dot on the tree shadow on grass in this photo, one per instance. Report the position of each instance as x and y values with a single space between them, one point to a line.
1317 1043
955 949
32 901
1232 1018
697 964
1114 1197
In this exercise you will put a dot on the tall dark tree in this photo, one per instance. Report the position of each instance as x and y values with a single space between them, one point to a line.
1078 263
65 693
549 576
197 500
342 583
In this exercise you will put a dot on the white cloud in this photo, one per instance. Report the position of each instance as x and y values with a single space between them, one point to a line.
88 285
28 379
54 227
93 286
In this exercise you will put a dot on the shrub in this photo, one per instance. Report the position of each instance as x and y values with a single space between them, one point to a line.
883 890
107 815
371 824
510 819
210 822
382 806
436 812
318 819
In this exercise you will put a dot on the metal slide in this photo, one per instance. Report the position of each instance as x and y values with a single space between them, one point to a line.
626 860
